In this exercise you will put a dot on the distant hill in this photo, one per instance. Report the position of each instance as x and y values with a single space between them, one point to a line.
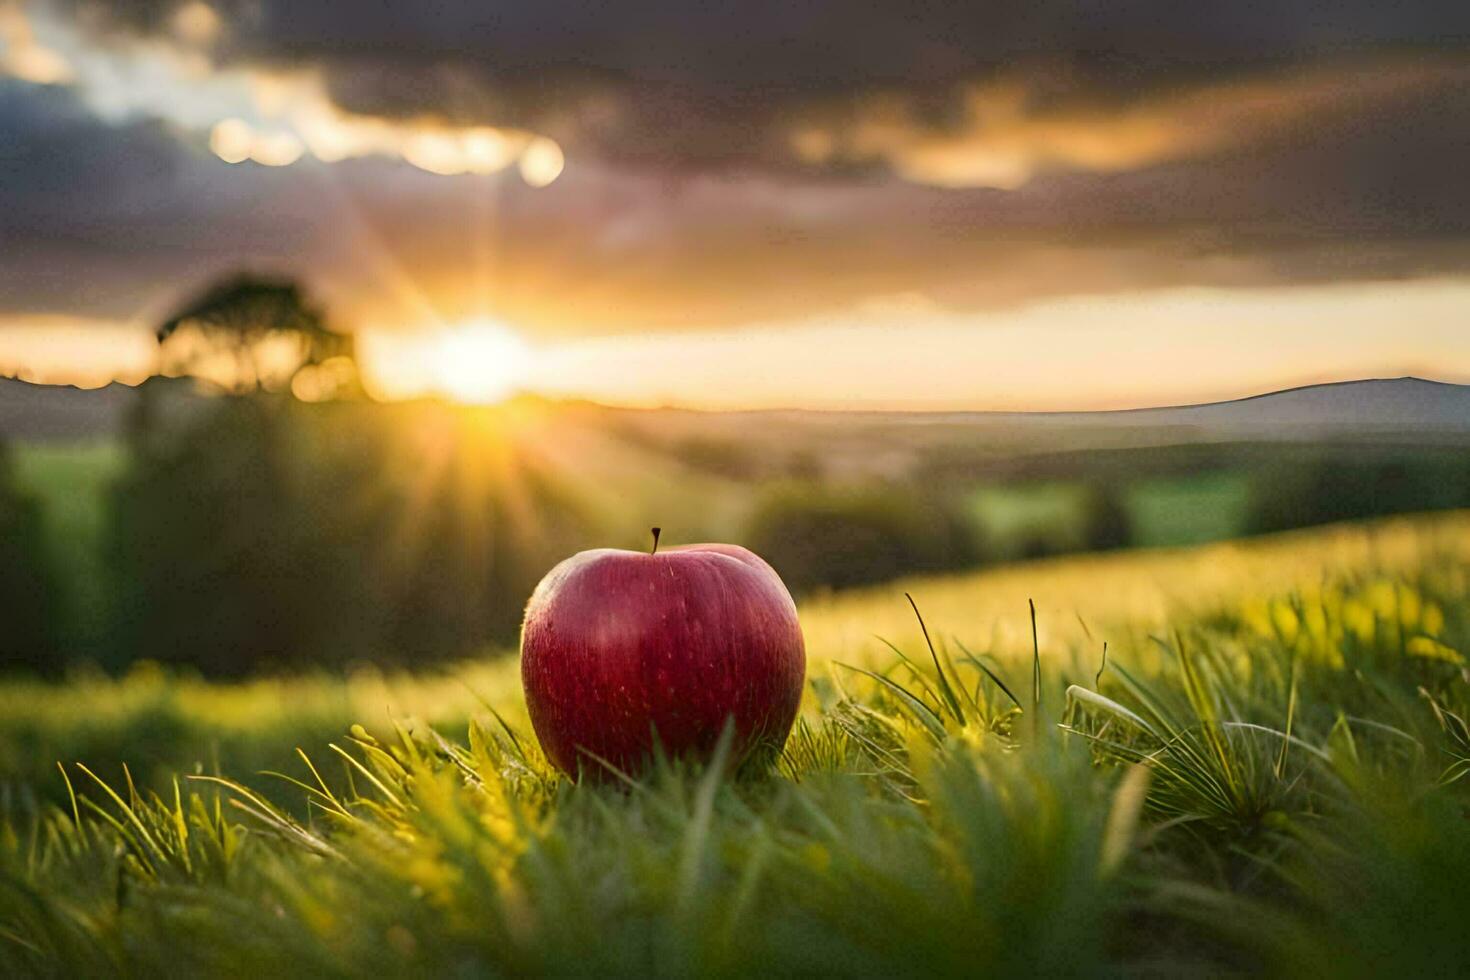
1378 404
1412 408
1401 411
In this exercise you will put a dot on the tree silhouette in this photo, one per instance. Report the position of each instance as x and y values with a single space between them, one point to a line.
249 333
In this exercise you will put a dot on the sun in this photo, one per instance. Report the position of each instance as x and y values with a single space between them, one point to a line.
480 362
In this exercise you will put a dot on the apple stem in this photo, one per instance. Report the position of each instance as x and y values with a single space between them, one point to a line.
656 532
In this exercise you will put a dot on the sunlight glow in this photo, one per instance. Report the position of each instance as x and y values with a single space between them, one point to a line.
479 363
1184 345
75 351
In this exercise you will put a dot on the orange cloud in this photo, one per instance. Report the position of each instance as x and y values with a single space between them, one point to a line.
297 104
1005 136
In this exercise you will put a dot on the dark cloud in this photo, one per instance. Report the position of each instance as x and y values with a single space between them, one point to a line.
110 219
791 46
1335 149
705 83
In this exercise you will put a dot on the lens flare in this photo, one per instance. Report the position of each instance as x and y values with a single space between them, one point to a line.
231 140
542 162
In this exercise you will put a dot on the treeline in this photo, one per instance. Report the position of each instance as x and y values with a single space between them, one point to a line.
259 531
819 536
832 537
271 533
1347 487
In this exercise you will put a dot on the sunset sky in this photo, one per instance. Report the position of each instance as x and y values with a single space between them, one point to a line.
950 204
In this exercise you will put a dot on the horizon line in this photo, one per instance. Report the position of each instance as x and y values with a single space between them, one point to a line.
797 409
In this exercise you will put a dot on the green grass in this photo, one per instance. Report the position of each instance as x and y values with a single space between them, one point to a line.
71 481
1265 778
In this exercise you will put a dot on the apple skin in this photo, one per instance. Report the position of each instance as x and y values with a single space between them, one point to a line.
618 645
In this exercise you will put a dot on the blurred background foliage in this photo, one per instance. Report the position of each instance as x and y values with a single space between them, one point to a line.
260 531
277 533
29 589
819 536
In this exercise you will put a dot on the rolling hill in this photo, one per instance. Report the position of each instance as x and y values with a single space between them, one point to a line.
1416 406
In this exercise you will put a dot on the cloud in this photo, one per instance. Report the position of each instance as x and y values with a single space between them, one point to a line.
106 219
726 83
272 115
726 163
1003 134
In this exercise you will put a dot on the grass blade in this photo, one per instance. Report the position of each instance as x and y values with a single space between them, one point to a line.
921 711
949 695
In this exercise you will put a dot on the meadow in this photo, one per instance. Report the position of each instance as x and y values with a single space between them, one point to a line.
1261 774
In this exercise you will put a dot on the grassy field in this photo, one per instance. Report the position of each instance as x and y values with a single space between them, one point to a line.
1264 777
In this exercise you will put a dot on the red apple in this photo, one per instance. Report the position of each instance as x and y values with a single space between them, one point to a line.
620 648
